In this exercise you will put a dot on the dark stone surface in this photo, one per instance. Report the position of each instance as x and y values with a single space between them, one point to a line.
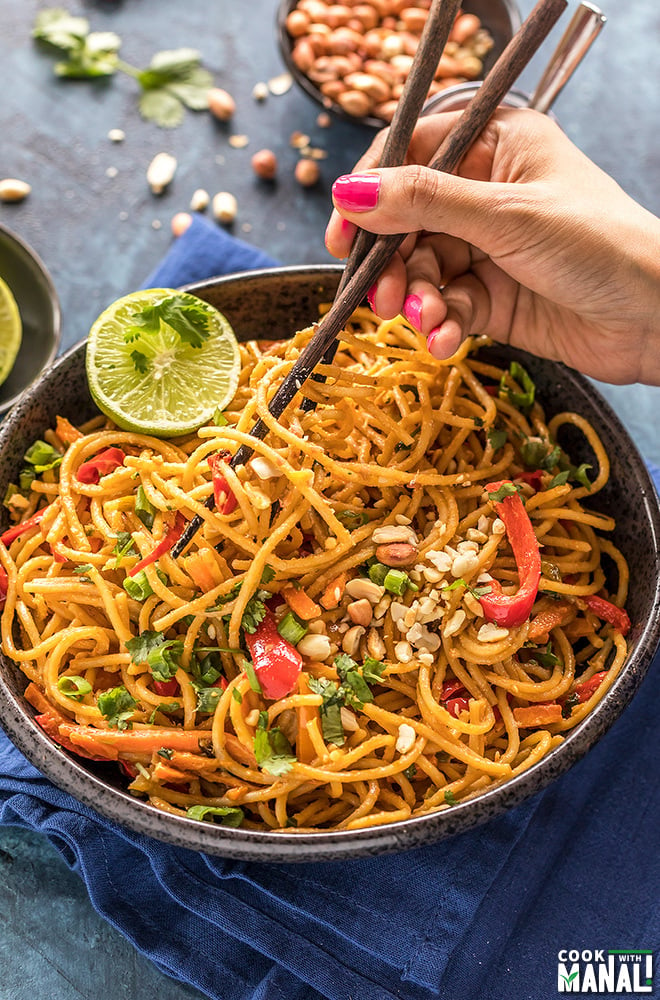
95 233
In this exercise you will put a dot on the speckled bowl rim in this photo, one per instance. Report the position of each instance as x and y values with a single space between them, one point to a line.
35 260
16 716
286 6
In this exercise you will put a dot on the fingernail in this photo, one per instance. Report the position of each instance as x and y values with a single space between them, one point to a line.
412 310
430 340
371 296
356 192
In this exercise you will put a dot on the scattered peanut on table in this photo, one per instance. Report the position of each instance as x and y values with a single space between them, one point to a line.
358 54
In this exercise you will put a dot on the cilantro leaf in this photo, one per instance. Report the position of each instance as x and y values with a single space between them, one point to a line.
569 704
157 652
82 569
560 479
255 612
190 320
117 706
123 547
505 490
356 690
90 54
372 670
273 751
207 698
229 815
330 709
497 438
140 361
140 646
450 798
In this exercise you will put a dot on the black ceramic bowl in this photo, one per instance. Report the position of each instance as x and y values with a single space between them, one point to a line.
37 301
501 18
279 302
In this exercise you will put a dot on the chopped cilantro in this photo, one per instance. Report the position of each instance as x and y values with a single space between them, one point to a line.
236 695
82 569
188 318
207 698
569 704
117 706
505 490
157 652
123 547
450 798
168 707
410 772
330 709
560 479
497 438
229 815
140 361
273 751
165 752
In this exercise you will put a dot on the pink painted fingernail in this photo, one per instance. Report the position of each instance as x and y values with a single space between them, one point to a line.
412 310
430 340
356 192
371 296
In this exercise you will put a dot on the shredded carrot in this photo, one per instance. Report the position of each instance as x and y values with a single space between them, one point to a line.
192 762
38 700
553 614
334 592
305 751
200 568
66 432
301 604
168 775
139 740
531 716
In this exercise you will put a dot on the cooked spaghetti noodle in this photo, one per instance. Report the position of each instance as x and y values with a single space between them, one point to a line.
322 655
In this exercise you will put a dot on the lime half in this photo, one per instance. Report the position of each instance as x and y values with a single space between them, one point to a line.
11 330
161 361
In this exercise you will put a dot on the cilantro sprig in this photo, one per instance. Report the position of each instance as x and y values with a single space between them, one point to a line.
273 751
173 80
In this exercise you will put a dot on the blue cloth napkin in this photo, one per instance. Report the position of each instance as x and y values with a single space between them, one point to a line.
482 915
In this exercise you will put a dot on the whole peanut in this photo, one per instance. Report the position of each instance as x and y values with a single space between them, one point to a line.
264 164
307 172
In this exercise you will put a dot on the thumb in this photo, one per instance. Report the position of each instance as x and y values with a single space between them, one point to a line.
413 198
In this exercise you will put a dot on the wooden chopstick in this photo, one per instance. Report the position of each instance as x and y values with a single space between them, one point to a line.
483 105
422 73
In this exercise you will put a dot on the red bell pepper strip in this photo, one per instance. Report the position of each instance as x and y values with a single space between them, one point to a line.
617 617
105 462
277 663
585 690
457 705
450 688
225 500
167 689
514 609
165 544
533 479
11 533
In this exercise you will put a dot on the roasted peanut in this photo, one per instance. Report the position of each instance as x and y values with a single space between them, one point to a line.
413 19
297 23
465 25
221 104
372 86
355 103
264 164
307 172
397 554
303 55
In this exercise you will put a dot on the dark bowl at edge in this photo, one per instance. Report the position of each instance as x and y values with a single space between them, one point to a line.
289 297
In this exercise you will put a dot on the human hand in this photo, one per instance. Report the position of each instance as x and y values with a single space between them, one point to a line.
531 244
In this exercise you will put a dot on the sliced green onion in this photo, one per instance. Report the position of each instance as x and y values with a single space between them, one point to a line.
291 628
377 573
74 687
396 581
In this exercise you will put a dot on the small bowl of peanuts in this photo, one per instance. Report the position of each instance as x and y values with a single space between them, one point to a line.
354 57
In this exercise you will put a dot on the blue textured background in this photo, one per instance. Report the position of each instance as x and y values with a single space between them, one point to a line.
101 235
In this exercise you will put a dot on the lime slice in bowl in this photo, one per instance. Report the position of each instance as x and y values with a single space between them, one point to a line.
161 362
11 330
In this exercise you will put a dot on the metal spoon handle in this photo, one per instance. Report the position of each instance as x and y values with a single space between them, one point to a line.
582 30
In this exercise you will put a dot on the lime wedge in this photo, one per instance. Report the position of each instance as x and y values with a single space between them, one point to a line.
11 330
161 362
